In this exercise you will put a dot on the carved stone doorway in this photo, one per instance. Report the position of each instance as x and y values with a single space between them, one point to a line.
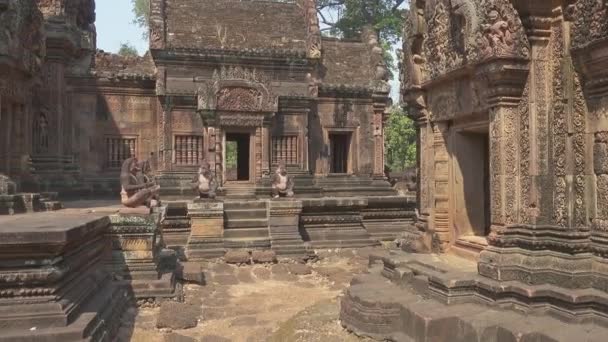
237 160
470 182
339 144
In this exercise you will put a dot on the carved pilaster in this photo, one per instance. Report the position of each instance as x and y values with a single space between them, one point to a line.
441 224
165 141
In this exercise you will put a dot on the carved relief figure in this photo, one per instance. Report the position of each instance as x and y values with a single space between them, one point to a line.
282 183
204 182
499 37
41 134
135 193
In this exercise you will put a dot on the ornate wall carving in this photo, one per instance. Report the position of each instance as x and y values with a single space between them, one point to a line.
464 32
237 89
590 22
22 34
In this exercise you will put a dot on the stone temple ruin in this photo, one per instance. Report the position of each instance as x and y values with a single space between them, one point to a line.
244 134
510 100
257 91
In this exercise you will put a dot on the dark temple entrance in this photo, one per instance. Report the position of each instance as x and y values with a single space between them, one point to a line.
339 147
237 156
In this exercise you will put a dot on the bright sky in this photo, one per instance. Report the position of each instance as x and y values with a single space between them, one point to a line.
114 26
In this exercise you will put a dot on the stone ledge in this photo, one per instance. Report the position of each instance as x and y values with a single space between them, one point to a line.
382 310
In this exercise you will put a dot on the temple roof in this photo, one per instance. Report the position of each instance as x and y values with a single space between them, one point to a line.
114 65
230 24
348 62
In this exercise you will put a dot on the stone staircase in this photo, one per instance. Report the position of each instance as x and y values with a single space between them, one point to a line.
238 190
246 225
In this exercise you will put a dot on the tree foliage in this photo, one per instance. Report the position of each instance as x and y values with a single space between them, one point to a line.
141 10
400 140
127 50
346 18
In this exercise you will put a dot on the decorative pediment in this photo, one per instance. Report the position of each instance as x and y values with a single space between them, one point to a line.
237 89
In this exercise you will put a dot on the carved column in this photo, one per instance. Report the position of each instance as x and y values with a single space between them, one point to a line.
8 136
441 179
265 146
378 141
165 145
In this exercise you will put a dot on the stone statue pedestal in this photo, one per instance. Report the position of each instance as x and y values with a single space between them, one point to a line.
137 255
207 229
284 232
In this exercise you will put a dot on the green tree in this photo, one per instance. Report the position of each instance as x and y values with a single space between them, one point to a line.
346 18
141 10
400 140
127 50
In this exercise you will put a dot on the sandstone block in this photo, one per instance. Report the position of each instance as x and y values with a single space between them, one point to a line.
237 257
263 257
176 315
191 272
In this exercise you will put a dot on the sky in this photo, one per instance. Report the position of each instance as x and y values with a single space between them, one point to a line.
115 26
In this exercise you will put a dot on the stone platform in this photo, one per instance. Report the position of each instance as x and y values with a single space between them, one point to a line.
415 297
53 283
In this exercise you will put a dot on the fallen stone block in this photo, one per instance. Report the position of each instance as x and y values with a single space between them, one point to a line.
264 257
176 315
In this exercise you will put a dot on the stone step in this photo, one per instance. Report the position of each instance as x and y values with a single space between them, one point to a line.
246 223
247 243
246 213
376 308
244 205
236 233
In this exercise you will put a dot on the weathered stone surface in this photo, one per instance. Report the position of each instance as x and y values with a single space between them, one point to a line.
174 315
237 257
225 279
261 273
299 269
247 321
173 337
264 257
214 338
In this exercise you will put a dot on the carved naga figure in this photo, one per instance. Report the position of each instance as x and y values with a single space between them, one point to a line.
282 184
204 182
135 192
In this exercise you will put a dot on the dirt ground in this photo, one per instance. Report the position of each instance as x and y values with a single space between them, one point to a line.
280 302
